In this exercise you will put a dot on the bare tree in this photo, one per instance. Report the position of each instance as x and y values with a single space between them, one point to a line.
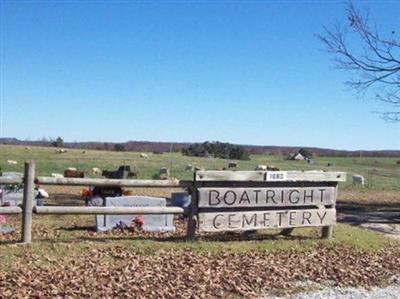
372 59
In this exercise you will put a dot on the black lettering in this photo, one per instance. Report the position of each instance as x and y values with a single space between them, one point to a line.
231 222
210 198
244 198
247 222
271 196
280 218
311 196
256 192
215 219
306 216
291 218
265 219
322 194
296 200
321 218
233 197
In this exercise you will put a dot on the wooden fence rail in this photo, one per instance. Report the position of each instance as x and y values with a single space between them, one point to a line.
29 181
10 181
112 182
107 210
219 199
10 210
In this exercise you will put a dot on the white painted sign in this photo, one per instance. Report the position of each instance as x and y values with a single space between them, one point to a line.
266 197
276 176
237 221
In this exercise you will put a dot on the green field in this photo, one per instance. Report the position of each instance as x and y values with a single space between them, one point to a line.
68 258
384 172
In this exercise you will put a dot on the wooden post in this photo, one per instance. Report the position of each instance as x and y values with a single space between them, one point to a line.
327 231
192 221
29 177
287 231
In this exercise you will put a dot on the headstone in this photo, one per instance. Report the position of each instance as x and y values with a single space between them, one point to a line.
182 200
6 229
15 197
358 180
12 174
151 223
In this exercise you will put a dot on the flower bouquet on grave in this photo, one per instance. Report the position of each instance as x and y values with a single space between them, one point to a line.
137 222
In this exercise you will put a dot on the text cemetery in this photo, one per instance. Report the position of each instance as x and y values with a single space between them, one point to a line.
266 219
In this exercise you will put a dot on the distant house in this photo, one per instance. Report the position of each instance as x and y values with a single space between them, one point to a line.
296 156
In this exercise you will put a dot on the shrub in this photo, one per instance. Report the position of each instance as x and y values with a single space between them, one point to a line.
119 147
217 150
58 142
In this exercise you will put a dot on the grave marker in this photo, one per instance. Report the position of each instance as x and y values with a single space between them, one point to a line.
151 223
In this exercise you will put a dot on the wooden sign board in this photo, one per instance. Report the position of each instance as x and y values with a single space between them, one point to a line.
228 221
270 176
266 197
253 200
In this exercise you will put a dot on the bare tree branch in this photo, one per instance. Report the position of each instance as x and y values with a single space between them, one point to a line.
375 65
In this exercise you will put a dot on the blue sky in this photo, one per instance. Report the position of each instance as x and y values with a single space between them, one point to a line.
241 72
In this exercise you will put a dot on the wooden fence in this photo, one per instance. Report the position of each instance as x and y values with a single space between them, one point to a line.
29 182
218 200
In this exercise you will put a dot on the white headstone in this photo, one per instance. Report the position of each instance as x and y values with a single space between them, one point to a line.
151 223
14 197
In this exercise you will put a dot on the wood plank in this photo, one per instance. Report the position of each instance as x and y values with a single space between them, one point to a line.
10 210
266 197
227 175
239 221
316 176
111 182
271 176
106 210
12 181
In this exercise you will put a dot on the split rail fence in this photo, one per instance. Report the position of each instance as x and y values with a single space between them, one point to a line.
202 205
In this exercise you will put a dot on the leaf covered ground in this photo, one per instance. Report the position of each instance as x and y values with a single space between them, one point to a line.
67 259
117 272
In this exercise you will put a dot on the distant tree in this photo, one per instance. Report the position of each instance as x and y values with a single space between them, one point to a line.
239 153
107 146
372 58
305 153
119 147
217 150
58 142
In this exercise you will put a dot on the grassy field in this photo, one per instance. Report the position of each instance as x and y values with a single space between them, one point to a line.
384 172
68 258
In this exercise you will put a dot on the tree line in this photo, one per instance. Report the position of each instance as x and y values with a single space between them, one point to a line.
217 150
